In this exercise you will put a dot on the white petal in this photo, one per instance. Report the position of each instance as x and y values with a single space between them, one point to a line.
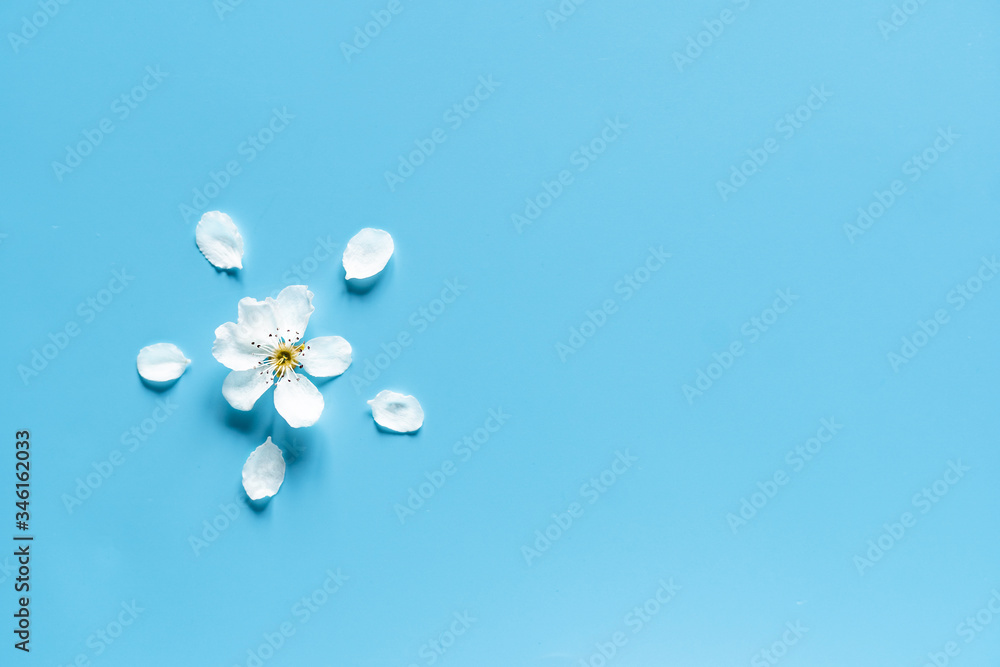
219 240
292 310
326 356
257 319
264 471
243 388
161 362
234 350
298 400
397 412
367 253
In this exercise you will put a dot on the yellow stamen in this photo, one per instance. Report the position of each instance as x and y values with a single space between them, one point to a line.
284 358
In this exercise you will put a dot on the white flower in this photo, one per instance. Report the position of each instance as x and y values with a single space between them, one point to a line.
263 348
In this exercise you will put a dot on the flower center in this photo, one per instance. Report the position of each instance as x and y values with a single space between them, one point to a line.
283 358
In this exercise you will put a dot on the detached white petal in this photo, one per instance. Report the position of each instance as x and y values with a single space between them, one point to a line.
292 309
298 400
326 356
264 471
397 412
367 253
243 388
219 240
161 362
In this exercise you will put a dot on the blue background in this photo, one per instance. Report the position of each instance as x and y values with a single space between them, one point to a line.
323 178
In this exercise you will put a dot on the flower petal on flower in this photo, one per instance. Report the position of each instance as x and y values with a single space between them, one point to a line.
298 400
219 240
326 356
257 320
264 471
292 310
161 362
367 253
234 350
397 412
243 388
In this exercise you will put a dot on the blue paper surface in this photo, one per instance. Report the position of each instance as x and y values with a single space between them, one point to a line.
698 299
